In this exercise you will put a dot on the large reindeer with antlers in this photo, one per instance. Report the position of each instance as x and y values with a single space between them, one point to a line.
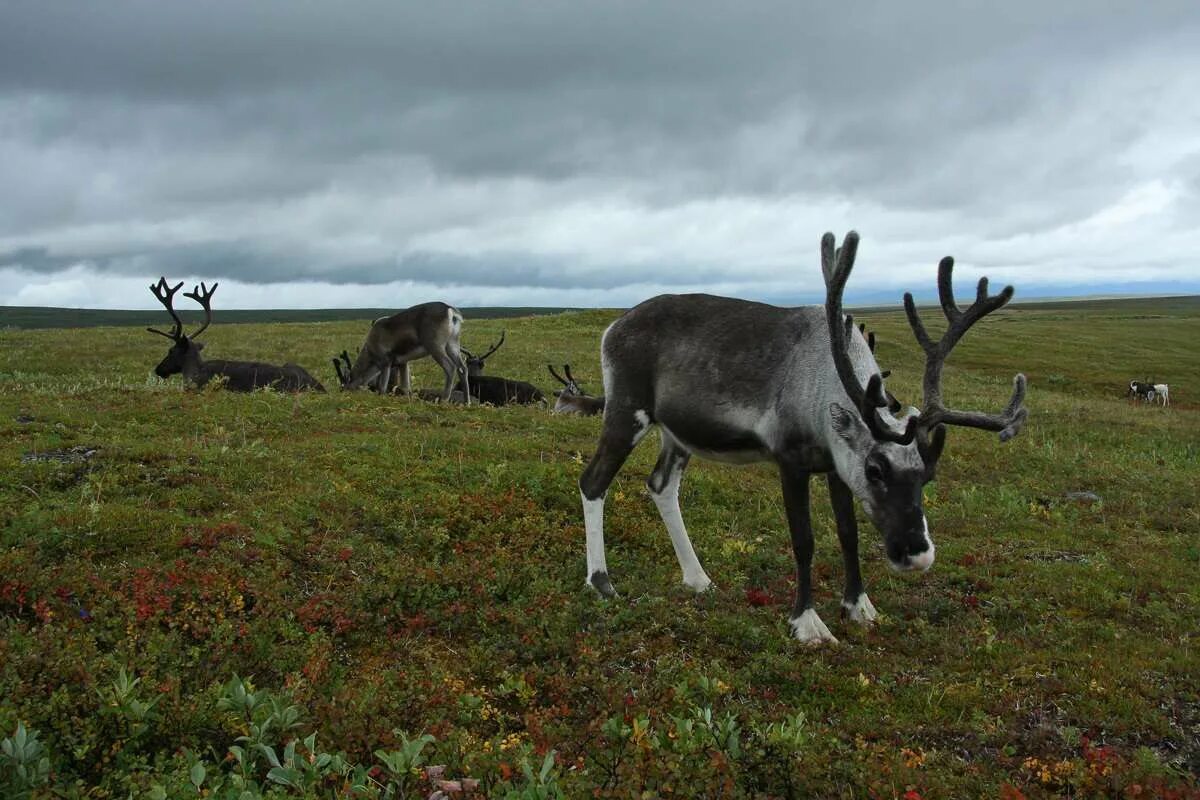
240 376
428 329
738 381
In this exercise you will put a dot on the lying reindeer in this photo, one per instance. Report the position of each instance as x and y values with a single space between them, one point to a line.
571 398
240 376
494 390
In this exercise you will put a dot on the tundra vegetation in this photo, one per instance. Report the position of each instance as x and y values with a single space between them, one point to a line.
213 594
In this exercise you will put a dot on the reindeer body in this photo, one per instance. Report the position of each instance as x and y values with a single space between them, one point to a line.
503 391
428 329
737 381
721 400
577 405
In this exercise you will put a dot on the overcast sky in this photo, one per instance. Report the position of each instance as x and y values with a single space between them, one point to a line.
593 154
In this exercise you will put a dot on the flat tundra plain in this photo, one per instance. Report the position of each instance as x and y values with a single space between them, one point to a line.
390 568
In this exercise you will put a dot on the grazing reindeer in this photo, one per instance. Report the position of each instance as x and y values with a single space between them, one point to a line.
738 381
430 395
428 329
494 390
571 399
1141 390
1163 392
240 376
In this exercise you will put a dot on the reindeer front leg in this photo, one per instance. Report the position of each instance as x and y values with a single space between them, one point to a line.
856 606
806 625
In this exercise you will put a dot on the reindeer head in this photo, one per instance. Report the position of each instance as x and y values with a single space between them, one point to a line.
185 348
570 385
886 461
475 363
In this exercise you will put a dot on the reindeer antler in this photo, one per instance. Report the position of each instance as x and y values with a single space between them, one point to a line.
935 414
836 265
166 296
557 377
203 296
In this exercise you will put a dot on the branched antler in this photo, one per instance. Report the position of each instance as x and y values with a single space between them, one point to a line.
836 265
166 296
203 296
935 413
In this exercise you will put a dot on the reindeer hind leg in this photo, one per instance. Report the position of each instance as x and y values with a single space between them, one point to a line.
663 485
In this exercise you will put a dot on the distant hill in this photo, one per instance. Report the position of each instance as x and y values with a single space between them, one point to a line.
47 317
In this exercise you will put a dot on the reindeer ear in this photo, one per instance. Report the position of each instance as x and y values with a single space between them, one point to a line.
849 425
197 346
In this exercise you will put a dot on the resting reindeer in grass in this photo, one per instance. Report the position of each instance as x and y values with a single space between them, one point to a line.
240 376
495 390
737 381
571 399
428 329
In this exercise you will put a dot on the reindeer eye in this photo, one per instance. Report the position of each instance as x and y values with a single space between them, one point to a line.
875 472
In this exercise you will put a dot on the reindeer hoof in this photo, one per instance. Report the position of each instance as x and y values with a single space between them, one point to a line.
860 611
698 583
600 582
809 629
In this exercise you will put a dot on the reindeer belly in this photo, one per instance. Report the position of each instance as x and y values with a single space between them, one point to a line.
733 436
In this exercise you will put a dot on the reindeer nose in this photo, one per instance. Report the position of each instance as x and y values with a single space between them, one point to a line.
921 561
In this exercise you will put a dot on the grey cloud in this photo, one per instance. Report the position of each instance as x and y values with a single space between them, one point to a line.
496 145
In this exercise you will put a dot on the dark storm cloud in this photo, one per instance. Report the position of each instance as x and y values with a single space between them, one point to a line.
588 146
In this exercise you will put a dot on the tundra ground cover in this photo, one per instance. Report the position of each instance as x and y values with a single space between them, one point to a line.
186 576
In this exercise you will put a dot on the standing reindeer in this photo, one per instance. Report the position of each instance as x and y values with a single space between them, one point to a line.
495 390
571 399
240 376
428 329
737 381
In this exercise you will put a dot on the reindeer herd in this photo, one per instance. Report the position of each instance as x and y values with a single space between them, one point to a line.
426 330
723 379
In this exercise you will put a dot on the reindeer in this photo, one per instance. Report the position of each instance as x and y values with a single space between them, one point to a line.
240 376
571 398
1163 392
494 390
428 329
739 381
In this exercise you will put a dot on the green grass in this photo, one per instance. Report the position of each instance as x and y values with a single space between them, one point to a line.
388 564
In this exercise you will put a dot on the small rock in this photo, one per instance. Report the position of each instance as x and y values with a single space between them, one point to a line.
1083 497
76 453
24 419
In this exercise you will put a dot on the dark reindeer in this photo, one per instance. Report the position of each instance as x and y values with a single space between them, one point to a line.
428 329
738 381
240 376
495 390
571 399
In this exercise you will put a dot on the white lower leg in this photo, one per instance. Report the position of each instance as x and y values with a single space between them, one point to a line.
668 508
809 628
593 524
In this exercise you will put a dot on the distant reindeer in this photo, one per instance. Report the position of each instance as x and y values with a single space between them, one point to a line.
495 390
1142 390
738 381
571 399
240 376
1163 392
428 329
